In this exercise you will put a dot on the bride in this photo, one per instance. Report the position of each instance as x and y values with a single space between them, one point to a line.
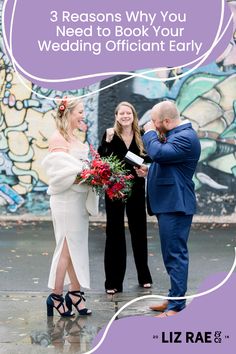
70 204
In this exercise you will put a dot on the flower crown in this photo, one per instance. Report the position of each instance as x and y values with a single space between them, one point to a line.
63 105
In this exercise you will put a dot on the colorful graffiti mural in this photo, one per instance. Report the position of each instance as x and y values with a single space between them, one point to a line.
207 97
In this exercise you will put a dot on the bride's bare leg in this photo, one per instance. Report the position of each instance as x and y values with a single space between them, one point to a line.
74 285
65 265
62 266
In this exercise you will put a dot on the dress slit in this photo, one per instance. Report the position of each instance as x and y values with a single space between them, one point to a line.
70 222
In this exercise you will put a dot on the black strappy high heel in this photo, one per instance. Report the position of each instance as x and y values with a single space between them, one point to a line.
69 302
51 305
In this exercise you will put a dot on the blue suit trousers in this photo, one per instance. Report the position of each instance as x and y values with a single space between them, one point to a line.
174 231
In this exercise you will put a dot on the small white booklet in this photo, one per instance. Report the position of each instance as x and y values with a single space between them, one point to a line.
133 159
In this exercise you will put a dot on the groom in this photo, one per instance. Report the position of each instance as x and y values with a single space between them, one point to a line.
171 192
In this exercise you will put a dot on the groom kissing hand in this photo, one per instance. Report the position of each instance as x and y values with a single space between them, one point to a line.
174 148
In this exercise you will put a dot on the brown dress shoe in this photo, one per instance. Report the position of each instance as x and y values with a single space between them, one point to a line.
162 307
167 314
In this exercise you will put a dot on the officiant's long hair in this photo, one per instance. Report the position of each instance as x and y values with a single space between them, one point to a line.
65 106
135 126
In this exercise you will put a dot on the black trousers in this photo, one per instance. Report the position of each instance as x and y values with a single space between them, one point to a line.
115 248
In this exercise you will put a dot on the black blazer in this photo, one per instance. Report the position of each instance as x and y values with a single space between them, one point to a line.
118 148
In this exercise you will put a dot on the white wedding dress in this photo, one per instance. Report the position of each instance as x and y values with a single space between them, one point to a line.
69 213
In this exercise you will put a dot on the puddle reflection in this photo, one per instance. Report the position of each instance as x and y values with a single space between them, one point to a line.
74 335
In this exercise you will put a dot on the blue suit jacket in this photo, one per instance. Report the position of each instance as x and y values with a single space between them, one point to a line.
170 185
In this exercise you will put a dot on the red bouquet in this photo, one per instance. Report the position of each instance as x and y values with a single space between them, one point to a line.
107 174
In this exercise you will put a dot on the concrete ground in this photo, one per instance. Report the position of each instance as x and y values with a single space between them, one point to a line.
25 255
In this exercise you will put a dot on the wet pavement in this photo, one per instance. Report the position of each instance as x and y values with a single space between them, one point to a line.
25 255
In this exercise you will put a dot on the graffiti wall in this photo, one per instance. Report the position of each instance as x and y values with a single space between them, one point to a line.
207 97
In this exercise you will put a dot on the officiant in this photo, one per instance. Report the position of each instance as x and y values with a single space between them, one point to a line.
125 137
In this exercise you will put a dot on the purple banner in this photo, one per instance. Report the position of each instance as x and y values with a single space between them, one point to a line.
55 43
205 326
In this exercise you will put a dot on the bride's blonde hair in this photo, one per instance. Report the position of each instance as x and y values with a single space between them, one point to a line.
135 127
65 107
